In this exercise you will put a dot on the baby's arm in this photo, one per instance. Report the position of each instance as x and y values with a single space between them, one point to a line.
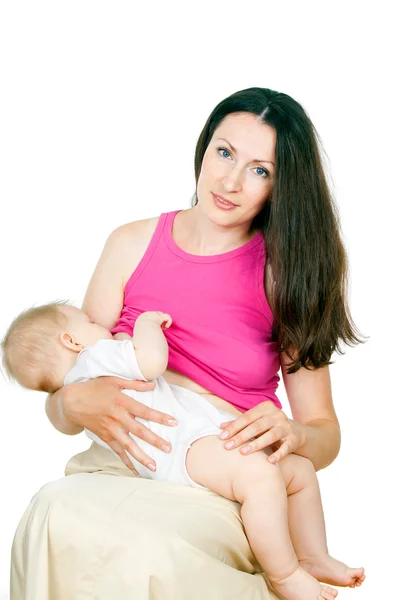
122 335
150 344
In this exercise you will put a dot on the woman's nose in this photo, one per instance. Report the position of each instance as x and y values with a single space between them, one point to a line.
232 180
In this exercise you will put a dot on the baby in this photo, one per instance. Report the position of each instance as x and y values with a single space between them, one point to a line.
57 344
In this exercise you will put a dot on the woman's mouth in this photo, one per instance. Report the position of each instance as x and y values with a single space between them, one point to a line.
222 203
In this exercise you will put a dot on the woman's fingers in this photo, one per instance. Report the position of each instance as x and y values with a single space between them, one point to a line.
234 427
145 412
245 434
114 445
285 449
133 384
114 419
139 430
138 409
261 442
125 441
261 416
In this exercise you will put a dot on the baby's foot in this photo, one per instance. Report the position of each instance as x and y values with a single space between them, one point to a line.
300 585
329 570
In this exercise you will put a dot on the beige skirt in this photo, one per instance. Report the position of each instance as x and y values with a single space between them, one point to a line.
102 533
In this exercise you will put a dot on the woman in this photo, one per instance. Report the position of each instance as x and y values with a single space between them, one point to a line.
258 171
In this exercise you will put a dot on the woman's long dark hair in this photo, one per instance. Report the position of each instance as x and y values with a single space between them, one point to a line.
302 232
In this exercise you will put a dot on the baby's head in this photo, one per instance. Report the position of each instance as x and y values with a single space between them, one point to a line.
43 343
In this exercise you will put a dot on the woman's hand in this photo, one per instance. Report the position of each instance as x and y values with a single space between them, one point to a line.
101 406
266 425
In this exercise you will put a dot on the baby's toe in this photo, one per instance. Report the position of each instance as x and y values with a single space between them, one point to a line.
328 592
358 577
354 576
325 596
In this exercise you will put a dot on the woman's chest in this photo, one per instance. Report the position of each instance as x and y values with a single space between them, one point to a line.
229 340
220 317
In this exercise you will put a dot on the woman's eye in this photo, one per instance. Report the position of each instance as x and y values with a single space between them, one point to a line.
262 171
224 150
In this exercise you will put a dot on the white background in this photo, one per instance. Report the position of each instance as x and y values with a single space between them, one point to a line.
100 110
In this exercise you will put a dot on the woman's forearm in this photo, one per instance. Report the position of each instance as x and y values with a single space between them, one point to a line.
56 415
321 442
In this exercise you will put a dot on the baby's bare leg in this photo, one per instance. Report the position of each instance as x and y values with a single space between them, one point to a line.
305 510
306 525
259 487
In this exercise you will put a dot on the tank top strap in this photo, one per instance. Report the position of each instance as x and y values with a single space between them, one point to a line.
164 221
168 220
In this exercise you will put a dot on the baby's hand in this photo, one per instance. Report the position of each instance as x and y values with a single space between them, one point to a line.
165 320
162 319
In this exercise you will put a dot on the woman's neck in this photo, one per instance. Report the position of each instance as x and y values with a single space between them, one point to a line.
196 233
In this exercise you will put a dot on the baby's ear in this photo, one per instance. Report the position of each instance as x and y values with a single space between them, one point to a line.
69 342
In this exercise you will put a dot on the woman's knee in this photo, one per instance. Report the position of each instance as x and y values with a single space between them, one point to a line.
58 491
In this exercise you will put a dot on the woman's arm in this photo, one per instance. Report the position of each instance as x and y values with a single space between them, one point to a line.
103 303
310 398
55 412
99 404
314 432
314 418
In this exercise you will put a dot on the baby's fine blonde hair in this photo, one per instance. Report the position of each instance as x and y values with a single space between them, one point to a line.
30 351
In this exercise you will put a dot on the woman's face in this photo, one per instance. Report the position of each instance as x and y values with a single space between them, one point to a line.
238 166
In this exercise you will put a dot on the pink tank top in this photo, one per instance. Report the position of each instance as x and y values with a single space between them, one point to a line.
222 324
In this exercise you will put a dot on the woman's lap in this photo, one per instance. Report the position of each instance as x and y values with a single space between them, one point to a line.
101 533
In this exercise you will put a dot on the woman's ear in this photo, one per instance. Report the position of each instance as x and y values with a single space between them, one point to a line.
69 342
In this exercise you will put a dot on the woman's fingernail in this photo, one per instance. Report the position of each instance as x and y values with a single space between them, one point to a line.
246 449
229 444
165 448
172 422
151 467
224 435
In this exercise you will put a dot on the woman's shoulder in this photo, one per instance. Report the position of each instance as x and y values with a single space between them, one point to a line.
136 230
132 237
127 244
